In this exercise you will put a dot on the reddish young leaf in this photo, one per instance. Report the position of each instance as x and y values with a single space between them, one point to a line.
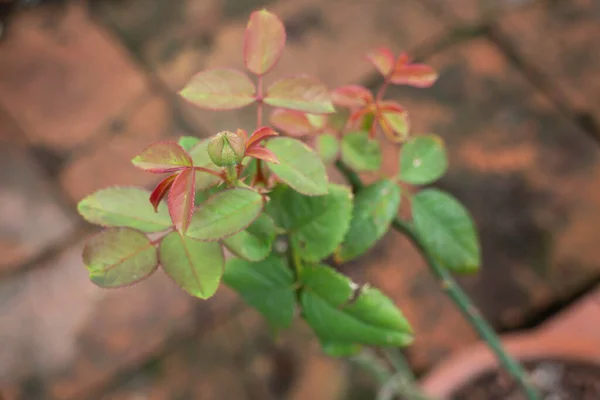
181 199
243 134
161 157
262 154
383 59
418 75
301 93
294 123
260 134
393 121
352 96
264 41
161 190
220 89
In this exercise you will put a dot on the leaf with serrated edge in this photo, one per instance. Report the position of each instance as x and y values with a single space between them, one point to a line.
267 286
181 199
330 309
293 123
301 93
361 153
264 41
162 157
375 206
200 158
220 89
423 160
254 243
447 230
225 214
298 166
316 224
352 96
328 147
118 257
195 266
124 207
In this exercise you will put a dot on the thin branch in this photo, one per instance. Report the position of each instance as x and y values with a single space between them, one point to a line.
460 299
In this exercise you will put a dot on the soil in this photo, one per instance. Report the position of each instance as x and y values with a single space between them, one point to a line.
557 380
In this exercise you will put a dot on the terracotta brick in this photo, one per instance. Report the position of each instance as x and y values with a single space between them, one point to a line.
473 11
170 37
62 77
31 218
109 162
555 39
72 338
327 40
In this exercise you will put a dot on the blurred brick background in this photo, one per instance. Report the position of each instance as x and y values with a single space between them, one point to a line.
85 85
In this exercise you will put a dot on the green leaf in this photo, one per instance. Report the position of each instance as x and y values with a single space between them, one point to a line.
301 93
446 229
267 286
162 157
264 41
298 166
339 349
205 194
188 142
254 243
316 225
220 89
195 266
337 313
200 158
225 214
328 147
375 206
125 207
119 256
361 153
423 160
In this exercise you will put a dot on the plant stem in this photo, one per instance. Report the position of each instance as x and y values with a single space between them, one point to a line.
460 299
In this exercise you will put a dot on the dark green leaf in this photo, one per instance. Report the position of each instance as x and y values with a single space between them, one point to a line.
254 243
338 314
361 153
299 166
447 230
267 286
195 266
124 207
423 160
119 256
316 224
375 206
225 214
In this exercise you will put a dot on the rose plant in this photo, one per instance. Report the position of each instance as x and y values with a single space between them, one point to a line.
265 196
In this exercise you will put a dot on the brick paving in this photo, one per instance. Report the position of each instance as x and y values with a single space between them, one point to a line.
85 86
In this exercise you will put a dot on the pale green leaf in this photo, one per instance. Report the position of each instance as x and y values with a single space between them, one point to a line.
328 147
361 153
254 243
220 89
301 93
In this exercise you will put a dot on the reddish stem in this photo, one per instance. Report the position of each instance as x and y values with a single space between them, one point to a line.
382 89
209 171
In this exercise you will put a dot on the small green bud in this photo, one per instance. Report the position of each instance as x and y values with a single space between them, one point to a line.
226 149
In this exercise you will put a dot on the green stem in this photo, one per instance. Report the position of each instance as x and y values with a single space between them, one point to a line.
460 299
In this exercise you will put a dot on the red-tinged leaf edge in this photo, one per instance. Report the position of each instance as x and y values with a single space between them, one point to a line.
210 198
90 238
294 123
383 59
180 159
268 32
392 134
181 199
161 190
243 134
262 153
417 75
259 135
352 96
244 99
325 105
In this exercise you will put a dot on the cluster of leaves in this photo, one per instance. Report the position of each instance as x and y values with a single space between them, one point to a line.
267 199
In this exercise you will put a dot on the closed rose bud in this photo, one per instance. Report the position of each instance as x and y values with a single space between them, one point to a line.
226 149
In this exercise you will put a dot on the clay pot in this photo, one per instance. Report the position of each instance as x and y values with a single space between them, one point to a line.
572 335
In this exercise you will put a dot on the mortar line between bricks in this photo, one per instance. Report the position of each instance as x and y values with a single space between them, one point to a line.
538 80
120 376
